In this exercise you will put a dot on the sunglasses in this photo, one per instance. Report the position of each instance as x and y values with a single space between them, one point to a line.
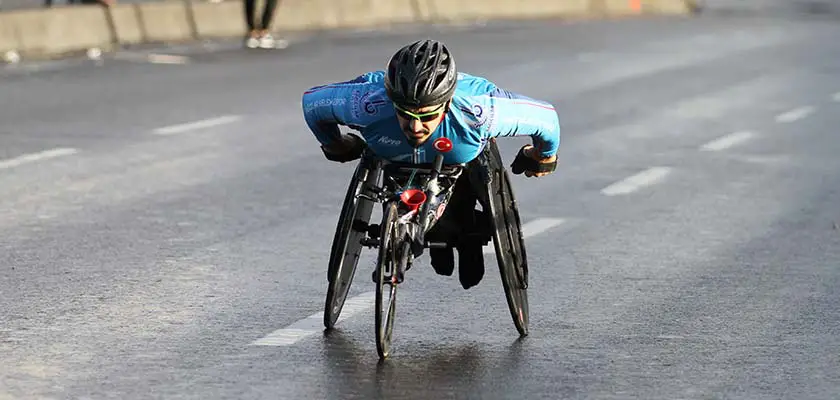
423 117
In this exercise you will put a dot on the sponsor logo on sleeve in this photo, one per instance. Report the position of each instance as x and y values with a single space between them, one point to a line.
368 103
327 102
476 115
384 140
372 102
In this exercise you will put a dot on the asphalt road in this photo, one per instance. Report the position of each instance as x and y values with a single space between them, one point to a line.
691 247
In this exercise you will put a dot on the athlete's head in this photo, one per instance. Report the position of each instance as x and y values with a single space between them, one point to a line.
420 80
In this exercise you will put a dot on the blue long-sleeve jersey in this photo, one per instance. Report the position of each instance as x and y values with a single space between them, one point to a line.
480 110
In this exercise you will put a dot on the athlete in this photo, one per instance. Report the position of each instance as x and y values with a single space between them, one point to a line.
421 106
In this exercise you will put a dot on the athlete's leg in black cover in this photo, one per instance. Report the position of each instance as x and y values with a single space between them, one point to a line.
458 226
448 228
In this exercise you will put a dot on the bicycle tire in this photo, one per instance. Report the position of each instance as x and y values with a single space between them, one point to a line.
509 244
512 216
347 247
387 262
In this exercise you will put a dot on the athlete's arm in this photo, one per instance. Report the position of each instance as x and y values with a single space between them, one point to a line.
326 107
519 115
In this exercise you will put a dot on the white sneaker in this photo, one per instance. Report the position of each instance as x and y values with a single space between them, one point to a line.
252 43
267 41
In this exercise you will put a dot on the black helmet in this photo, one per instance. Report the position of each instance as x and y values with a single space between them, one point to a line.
421 74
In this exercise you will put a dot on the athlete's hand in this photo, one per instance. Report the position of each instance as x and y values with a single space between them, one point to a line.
347 148
532 153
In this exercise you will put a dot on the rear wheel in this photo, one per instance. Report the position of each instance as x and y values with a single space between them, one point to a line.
347 242
392 252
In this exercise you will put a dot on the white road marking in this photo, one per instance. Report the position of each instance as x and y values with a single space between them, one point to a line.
153 58
836 97
633 183
191 126
315 322
43 155
167 59
355 305
727 141
529 229
672 337
795 114
540 225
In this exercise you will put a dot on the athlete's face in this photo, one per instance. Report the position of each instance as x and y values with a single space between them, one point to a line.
418 124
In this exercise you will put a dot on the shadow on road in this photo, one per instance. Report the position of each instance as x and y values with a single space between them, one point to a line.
352 369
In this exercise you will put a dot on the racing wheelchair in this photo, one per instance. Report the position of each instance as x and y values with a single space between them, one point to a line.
413 197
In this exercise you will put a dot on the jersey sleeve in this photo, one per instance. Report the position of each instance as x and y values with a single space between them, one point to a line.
519 115
326 107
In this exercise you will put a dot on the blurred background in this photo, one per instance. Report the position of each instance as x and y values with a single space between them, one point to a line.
763 6
166 215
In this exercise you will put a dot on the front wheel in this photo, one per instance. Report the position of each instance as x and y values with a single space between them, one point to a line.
392 252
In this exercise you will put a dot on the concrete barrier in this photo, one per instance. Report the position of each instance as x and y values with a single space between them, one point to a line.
127 27
54 31
213 20
637 7
301 15
375 13
554 9
168 21
457 11
464 11
8 33
669 7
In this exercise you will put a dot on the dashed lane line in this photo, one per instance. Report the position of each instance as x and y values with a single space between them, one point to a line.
355 305
33 157
196 125
794 115
633 183
727 141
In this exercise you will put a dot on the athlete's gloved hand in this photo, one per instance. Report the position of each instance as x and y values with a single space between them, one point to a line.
529 161
347 148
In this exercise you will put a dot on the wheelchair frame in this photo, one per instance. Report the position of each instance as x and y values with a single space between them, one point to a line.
354 231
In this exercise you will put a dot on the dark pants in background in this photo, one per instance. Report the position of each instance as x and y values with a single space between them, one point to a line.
267 15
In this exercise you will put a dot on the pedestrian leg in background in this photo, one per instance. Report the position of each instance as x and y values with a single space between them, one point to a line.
252 40
260 36
267 41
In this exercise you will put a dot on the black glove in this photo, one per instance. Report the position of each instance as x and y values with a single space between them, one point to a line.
524 163
348 148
